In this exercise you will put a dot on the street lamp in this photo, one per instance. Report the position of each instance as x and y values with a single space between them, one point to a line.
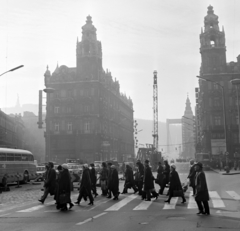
223 103
13 69
236 82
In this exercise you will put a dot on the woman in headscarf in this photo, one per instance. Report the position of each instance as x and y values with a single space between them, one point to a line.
175 185
64 188
85 186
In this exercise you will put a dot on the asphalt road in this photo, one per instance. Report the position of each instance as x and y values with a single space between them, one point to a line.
130 212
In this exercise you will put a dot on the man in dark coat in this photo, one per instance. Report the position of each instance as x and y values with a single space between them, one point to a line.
139 176
85 186
191 176
201 196
63 196
109 175
93 179
50 182
129 180
159 179
166 173
148 181
114 182
175 185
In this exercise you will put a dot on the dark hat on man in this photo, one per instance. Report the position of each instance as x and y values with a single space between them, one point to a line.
92 165
199 164
147 161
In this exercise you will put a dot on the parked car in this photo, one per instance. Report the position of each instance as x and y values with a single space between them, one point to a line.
40 173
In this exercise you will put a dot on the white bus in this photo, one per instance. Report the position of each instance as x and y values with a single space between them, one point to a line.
16 164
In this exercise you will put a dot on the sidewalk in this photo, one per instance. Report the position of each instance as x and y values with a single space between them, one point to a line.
223 172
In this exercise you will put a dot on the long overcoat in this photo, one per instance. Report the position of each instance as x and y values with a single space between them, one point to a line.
191 176
160 174
50 181
93 176
175 183
148 179
129 180
201 187
64 184
86 183
114 184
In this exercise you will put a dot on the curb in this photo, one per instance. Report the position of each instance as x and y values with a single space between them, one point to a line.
224 173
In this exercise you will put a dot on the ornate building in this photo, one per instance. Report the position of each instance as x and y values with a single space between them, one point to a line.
88 118
216 108
188 124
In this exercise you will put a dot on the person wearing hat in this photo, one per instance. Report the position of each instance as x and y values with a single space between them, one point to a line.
175 188
148 182
85 186
201 195
50 182
191 176
93 179
129 180
139 176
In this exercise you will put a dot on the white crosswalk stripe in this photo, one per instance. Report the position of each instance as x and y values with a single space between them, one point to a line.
192 203
172 203
121 203
234 195
31 209
216 200
143 205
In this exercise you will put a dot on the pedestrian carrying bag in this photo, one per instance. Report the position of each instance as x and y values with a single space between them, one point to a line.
178 193
64 198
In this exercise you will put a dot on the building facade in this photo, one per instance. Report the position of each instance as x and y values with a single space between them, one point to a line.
216 108
88 118
11 131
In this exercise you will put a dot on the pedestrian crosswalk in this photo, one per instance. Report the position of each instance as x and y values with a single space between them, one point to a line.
136 204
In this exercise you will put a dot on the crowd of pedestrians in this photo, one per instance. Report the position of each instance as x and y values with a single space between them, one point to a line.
141 182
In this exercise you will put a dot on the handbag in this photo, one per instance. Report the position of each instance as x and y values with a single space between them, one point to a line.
64 198
178 193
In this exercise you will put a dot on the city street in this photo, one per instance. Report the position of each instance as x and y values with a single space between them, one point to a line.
128 213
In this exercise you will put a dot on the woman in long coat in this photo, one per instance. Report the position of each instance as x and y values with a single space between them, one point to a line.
129 180
85 186
201 195
166 173
191 176
64 188
175 185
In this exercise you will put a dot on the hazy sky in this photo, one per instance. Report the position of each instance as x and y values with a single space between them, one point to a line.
138 37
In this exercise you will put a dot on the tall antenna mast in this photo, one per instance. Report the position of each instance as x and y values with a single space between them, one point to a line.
155 112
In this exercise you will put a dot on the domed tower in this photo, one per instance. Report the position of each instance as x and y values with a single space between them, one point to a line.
212 49
89 53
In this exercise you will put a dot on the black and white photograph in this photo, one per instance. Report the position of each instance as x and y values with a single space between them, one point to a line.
119 115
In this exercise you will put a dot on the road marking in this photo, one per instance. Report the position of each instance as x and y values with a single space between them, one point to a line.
192 203
216 200
172 204
234 195
121 203
98 203
31 209
143 205
91 219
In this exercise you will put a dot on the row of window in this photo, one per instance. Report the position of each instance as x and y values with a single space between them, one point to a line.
217 102
73 93
15 157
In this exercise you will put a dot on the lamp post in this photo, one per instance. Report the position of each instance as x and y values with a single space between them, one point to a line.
236 82
13 69
224 110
